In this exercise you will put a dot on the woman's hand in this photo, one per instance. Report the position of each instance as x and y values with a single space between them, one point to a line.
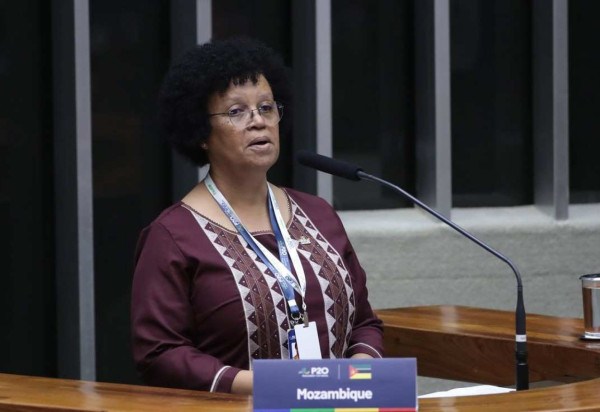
243 383
361 356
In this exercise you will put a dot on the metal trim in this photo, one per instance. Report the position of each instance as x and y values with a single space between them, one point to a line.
432 96
551 107
73 191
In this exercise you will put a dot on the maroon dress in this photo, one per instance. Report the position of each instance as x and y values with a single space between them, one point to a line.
203 305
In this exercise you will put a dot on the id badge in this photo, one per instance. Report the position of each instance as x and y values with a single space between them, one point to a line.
307 341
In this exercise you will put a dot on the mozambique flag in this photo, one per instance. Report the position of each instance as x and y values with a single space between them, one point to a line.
359 371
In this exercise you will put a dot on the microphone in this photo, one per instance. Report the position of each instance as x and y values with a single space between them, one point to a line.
352 172
328 165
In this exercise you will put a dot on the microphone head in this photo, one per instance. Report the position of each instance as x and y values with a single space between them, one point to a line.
328 165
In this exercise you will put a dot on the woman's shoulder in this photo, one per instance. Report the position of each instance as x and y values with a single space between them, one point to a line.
322 216
315 207
304 199
173 219
170 214
172 229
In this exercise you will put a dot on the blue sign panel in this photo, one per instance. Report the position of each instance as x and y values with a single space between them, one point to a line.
326 384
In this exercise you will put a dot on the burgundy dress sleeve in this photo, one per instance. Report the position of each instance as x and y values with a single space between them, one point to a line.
367 331
163 320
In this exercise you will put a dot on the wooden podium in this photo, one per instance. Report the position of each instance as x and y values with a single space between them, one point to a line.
478 345
449 342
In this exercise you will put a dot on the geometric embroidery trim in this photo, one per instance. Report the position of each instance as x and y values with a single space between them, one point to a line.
264 306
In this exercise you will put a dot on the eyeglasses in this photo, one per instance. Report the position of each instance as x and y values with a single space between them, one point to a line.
240 116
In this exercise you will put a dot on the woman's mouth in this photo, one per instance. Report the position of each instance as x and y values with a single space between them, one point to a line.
260 142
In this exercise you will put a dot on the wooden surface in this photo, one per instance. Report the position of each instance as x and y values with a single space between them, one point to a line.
448 333
477 345
24 393
34 394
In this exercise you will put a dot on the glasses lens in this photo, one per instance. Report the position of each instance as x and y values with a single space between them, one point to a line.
240 120
271 113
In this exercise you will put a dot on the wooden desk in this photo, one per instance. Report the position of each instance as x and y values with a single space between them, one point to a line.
447 333
478 345
34 394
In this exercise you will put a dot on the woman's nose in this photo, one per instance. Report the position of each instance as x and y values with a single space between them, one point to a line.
256 117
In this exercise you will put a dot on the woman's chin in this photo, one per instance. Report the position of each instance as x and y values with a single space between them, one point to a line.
264 158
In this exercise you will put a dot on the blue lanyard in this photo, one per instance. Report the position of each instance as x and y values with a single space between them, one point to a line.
287 286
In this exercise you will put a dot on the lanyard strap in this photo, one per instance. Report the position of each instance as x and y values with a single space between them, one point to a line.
287 246
282 271
285 243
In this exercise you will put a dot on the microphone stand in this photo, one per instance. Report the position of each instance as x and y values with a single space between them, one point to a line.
522 369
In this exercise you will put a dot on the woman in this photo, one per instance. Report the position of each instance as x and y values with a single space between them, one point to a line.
240 269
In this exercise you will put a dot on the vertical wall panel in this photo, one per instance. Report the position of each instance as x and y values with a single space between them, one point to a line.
584 99
129 56
551 107
432 100
492 157
305 93
373 101
73 190
28 292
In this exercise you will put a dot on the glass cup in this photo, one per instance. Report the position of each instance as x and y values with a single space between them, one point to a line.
590 285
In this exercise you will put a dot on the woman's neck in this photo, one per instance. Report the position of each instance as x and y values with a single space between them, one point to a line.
242 192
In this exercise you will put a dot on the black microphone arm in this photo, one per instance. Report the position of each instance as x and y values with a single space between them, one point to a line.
349 171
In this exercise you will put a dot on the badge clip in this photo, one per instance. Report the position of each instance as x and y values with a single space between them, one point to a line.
305 319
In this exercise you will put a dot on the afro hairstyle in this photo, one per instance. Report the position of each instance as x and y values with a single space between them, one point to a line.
211 68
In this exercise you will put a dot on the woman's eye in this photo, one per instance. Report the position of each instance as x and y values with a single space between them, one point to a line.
266 107
235 112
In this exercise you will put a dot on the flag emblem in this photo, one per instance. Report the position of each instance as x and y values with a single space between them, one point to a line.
359 371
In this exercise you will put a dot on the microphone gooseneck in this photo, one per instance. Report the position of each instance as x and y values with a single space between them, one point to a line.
352 172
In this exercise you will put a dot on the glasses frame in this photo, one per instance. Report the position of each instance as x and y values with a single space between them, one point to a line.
257 110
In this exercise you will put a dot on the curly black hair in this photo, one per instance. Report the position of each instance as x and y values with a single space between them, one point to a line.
207 69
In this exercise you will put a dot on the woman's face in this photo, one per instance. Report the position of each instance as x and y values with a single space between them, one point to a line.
254 144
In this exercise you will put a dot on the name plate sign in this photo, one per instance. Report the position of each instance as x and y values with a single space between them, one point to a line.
329 385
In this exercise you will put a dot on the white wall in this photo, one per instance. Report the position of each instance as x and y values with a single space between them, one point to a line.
411 260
